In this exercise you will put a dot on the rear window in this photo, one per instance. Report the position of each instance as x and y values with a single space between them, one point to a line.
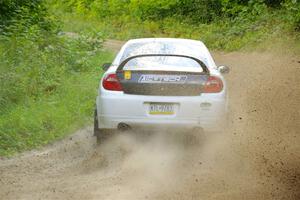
180 47
163 63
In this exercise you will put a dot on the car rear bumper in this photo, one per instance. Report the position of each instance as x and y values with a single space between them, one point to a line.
206 111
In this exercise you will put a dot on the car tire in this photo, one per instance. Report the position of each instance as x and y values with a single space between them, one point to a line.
96 123
198 136
100 134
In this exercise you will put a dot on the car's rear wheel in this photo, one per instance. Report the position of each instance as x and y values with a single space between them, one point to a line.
196 136
101 134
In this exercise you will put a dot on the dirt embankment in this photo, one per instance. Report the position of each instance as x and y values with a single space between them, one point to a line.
258 157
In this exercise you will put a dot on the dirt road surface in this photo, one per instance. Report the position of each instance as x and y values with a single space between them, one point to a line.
257 157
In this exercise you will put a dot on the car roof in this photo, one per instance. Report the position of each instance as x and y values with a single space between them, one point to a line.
169 45
186 47
178 40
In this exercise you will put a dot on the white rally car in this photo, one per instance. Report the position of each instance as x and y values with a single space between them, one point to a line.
161 82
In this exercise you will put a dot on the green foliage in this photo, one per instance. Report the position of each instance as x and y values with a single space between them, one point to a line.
153 10
35 67
244 23
47 87
21 16
200 10
292 13
193 12
197 10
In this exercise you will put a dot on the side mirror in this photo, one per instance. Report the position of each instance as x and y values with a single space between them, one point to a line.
223 69
105 66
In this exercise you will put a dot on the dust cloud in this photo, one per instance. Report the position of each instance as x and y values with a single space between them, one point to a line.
255 157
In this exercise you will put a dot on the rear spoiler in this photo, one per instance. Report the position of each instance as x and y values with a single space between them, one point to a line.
124 62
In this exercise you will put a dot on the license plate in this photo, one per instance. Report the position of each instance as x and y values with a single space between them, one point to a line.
161 109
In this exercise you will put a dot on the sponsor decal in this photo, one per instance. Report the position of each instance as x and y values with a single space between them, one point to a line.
154 78
127 75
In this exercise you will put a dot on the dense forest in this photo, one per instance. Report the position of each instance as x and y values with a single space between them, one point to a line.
49 80
193 11
222 24
23 16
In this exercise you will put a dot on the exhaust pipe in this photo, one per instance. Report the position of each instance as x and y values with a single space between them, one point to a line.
123 127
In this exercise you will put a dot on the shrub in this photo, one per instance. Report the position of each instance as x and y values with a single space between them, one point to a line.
30 68
292 13
47 87
19 16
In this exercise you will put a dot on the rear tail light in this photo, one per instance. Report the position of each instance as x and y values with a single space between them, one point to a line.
111 82
213 85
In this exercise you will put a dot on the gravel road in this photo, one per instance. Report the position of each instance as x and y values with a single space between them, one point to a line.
257 156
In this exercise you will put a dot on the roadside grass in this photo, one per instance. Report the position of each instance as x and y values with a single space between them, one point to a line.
49 114
224 35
